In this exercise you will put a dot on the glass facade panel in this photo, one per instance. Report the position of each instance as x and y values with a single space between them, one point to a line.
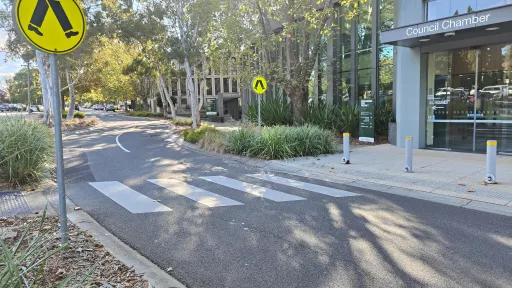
364 26
486 4
452 98
437 9
344 32
459 7
364 59
364 81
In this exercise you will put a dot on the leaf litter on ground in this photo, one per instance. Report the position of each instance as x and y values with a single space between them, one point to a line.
83 256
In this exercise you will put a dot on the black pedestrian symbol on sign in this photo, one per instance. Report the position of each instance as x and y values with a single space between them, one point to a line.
258 83
40 13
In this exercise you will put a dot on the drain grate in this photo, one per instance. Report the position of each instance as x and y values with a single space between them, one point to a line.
13 203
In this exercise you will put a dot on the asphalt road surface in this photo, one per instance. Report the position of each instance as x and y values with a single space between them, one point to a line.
214 223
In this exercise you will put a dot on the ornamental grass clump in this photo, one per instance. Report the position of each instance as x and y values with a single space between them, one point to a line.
26 150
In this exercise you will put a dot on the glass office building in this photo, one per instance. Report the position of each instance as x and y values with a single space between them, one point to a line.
451 69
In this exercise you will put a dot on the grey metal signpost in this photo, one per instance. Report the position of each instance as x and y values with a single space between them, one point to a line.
57 121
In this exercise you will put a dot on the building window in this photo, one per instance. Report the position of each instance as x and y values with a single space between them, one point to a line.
217 86
183 87
174 87
225 83
234 83
209 87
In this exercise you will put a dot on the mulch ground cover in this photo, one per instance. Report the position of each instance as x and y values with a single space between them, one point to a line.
85 258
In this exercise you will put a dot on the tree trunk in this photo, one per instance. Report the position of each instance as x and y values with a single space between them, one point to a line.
45 87
162 97
166 93
192 93
299 99
71 87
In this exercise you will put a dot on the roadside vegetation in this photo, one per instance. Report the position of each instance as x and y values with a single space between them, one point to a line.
144 114
26 150
187 122
78 123
339 119
276 142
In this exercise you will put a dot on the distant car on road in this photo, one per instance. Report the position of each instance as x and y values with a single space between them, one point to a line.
4 108
77 108
110 108
99 107
15 107
36 108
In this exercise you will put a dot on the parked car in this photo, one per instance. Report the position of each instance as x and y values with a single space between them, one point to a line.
99 107
4 108
110 108
494 92
15 107
36 108
77 108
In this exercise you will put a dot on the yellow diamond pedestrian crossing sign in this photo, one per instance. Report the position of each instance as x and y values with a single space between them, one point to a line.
52 26
259 85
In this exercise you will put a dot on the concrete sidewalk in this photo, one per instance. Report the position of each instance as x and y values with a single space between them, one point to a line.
457 175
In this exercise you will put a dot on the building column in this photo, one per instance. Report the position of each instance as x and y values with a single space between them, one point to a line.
410 68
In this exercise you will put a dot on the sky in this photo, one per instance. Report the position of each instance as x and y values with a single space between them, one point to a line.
7 67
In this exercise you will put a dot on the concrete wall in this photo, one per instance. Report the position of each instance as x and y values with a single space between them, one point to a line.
410 79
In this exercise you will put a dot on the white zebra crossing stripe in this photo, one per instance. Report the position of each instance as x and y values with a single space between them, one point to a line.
197 194
128 198
252 189
306 186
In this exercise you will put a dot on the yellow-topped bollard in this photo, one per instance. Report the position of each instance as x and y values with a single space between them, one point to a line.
408 154
492 151
346 148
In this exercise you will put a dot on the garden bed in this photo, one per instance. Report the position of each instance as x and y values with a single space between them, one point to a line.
77 124
85 261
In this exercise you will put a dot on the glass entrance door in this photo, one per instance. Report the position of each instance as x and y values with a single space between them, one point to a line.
462 82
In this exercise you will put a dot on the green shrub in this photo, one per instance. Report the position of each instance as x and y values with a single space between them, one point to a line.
281 142
273 143
348 120
26 148
342 118
194 135
274 111
383 117
239 141
182 122
213 141
78 115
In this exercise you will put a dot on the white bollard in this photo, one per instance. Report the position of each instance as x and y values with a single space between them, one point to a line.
492 151
346 148
408 154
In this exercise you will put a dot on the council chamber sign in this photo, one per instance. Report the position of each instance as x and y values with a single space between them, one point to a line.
52 26
367 120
